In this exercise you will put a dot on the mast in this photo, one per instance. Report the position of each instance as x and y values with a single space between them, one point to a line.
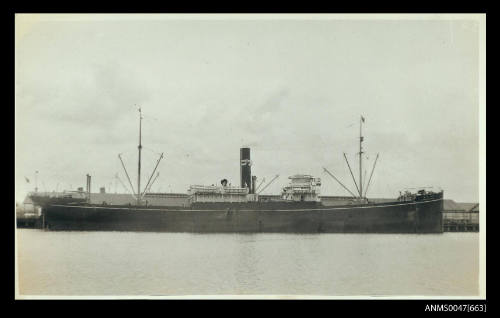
361 121
139 165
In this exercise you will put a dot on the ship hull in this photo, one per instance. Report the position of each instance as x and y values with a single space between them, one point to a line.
394 217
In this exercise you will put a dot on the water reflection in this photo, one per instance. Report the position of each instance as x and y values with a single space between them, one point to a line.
121 263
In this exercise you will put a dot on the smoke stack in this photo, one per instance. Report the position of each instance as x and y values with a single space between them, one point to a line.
88 187
245 170
254 181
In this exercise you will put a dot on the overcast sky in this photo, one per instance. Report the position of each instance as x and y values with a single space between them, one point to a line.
292 89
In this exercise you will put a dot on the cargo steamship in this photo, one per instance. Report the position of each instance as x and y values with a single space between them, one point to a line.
240 209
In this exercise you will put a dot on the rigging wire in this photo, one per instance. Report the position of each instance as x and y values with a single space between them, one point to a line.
151 150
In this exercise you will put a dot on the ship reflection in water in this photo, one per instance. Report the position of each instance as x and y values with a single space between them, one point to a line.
145 263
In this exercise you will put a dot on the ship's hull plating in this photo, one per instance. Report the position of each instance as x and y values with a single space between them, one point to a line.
395 217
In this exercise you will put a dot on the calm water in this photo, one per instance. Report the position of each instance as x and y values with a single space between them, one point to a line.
128 263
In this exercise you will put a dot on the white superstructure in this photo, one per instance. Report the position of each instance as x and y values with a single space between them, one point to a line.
302 187
202 193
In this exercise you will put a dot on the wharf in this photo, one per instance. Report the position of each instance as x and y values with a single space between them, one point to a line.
460 217
28 215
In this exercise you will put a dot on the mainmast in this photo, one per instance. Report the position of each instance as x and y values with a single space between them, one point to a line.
139 166
360 188
361 121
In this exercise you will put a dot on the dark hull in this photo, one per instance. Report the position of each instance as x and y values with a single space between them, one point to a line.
395 217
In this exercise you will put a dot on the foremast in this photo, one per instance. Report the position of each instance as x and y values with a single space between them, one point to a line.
361 121
138 196
139 163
